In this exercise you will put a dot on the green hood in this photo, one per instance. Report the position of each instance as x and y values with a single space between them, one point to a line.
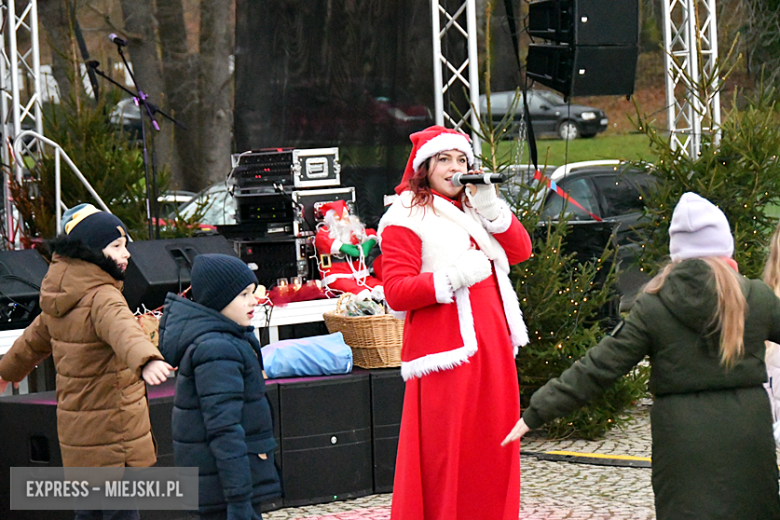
689 295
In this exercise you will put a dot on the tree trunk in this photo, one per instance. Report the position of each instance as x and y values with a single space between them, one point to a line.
181 87
139 29
53 14
215 87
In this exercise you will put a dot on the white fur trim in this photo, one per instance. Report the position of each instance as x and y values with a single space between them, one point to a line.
400 315
336 246
502 223
357 275
440 143
446 232
443 287
518 332
435 362
466 318
450 358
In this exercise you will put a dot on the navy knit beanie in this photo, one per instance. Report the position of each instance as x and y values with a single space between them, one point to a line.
92 227
217 279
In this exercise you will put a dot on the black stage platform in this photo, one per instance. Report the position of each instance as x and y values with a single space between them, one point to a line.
337 437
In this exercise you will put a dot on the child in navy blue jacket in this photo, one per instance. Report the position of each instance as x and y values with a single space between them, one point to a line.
221 418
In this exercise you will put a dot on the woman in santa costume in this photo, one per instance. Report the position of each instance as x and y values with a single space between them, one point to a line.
446 257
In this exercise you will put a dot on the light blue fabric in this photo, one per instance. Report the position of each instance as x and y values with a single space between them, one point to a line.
312 356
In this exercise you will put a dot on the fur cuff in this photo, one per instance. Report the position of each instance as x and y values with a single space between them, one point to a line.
443 287
502 223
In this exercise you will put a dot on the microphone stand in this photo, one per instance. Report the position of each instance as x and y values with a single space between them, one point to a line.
140 98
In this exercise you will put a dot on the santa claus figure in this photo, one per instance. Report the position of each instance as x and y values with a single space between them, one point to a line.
343 244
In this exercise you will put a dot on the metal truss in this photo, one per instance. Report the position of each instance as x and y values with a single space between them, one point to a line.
20 66
455 71
692 82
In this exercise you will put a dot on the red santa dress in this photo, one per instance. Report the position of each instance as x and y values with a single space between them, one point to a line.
462 394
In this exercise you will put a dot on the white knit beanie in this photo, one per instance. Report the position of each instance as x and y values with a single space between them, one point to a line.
698 230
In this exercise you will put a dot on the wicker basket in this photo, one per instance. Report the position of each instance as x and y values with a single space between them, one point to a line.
375 340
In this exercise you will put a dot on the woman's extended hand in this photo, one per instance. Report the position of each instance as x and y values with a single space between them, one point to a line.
4 384
517 433
156 371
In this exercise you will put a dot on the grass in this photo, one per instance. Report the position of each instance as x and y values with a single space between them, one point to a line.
556 152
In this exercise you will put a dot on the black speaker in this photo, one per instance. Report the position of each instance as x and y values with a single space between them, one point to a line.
387 400
584 71
28 433
272 393
160 408
29 438
21 274
585 22
160 266
326 438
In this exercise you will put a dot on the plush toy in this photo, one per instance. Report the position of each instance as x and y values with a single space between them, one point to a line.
343 243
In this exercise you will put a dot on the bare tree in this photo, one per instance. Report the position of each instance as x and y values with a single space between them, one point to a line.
762 39
215 87
54 15
181 88
140 29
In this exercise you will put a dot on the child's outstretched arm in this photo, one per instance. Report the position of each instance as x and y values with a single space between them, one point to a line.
116 325
156 371
32 347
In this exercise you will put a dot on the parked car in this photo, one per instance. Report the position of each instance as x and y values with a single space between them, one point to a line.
550 114
170 200
128 116
615 192
217 204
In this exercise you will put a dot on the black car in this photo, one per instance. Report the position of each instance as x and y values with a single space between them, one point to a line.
550 114
615 192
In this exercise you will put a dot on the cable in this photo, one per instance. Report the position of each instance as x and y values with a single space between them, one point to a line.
300 206
20 279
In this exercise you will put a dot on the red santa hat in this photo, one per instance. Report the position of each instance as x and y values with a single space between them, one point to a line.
429 142
339 206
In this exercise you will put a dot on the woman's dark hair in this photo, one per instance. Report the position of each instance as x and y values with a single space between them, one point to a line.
419 185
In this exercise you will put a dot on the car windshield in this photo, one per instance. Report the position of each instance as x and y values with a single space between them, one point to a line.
219 211
551 97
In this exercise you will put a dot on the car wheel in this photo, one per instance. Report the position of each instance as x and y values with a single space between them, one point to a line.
568 130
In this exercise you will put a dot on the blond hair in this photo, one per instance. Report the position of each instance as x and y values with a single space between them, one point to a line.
732 306
772 267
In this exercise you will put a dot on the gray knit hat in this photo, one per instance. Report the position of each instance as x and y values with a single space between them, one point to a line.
217 279
698 230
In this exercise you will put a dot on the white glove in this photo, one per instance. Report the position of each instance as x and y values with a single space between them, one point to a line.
776 431
485 201
472 267
378 293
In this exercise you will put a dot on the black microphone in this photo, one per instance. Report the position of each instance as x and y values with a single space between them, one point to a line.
113 38
461 179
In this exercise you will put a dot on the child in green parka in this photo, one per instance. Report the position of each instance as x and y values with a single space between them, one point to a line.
703 327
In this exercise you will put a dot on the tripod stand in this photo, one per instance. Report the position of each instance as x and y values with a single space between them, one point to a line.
149 109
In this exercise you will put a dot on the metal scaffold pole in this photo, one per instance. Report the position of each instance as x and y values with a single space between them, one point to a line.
19 65
456 68
691 45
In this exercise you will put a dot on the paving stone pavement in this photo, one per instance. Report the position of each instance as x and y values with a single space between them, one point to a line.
549 490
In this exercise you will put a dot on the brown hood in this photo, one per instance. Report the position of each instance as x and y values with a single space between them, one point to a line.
67 281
